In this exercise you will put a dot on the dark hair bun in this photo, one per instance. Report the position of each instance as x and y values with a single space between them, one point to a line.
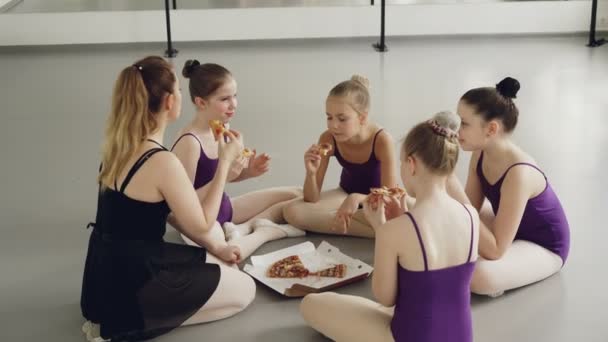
189 67
508 87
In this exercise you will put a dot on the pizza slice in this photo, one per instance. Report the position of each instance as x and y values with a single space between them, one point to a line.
396 192
247 153
290 267
383 191
218 127
338 271
325 148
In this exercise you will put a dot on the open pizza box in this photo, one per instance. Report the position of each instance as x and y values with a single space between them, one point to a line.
314 259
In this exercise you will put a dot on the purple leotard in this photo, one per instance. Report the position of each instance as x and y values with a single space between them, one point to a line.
205 171
359 178
434 305
543 222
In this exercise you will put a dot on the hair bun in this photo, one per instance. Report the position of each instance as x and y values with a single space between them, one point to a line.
441 130
189 67
448 120
508 87
360 79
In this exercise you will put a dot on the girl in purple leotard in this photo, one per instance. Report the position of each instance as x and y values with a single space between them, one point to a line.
525 235
248 220
364 151
424 258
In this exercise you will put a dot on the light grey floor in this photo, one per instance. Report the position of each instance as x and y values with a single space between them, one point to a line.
54 104
43 6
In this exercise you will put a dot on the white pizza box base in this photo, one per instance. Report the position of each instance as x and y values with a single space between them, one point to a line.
324 256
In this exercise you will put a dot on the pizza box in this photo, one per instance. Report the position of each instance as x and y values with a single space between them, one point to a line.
315 259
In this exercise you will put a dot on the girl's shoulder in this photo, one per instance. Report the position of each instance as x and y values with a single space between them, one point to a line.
381 136
384 144
186 140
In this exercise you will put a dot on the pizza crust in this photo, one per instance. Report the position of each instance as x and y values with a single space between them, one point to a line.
247 153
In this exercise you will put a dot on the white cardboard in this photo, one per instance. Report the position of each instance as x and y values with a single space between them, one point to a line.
324 256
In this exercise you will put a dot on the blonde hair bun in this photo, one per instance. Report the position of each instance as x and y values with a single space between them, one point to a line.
361 79
448 120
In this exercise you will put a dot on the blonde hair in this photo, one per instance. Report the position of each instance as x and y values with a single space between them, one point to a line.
355 92
138 96
448 119
435 143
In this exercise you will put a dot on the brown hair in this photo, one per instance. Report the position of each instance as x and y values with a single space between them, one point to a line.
138 96
355 91
434 143
205 79
496 103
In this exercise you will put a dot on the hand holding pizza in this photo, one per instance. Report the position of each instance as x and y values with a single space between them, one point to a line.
229 150
312 159
374 214
392 198
394 207
218 128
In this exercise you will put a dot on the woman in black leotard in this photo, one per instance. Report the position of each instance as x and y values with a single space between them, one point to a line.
135 285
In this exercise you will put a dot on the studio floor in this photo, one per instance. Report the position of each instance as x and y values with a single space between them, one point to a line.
55 102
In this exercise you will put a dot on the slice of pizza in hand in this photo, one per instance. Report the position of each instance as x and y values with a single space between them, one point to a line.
290 267
376 195
397 192
338 271
247 153
325 148
218 127
383 191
